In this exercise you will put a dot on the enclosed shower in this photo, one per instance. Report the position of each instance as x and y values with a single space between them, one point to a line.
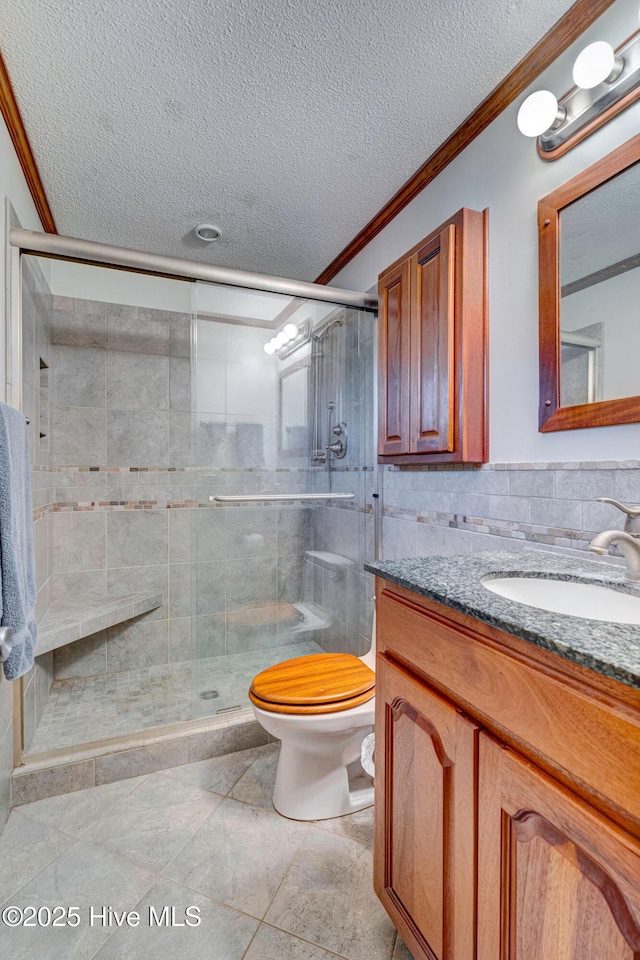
203 491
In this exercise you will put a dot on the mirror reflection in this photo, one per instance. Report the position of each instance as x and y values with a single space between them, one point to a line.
294 428
600 293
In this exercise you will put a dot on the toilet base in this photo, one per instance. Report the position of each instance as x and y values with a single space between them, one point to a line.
320 781
319 771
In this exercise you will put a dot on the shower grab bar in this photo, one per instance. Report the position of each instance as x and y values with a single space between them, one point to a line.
265 497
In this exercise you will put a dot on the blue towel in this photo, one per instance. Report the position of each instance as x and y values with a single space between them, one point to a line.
17 569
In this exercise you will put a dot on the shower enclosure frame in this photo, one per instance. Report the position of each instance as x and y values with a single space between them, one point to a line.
21 241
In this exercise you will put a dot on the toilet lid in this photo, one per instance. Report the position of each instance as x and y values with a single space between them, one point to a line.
322 678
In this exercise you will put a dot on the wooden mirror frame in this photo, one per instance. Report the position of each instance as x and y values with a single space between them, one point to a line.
551 415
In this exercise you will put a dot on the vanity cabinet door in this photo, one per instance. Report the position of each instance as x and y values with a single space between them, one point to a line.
432 355
432 345
424 869
555 878
394 299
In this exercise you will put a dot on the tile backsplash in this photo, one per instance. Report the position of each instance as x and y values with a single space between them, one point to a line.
507 506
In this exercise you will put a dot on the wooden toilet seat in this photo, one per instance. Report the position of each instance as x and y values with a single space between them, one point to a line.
319 683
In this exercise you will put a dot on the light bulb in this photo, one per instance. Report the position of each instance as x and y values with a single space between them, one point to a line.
270 347
281 339
291 330
595 64
537 113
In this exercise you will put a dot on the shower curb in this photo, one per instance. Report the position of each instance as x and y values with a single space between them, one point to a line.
89 765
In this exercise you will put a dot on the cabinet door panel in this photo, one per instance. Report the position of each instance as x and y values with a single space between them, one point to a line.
425 820
556 879
432 345
394 360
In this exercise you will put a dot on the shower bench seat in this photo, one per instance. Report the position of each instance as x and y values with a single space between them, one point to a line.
69 620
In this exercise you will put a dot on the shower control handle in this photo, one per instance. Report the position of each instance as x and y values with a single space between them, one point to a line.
339 446
6 643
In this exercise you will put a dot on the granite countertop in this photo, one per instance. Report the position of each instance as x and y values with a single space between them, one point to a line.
612 649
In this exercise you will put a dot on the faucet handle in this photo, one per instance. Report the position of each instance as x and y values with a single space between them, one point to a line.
632 522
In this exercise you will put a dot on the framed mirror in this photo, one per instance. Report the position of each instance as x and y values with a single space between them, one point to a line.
293 410
589 256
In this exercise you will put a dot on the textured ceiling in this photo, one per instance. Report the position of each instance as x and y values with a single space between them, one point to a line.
288 123
601 228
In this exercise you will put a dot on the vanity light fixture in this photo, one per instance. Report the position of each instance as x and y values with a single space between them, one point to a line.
597 64
288 339
606 81
538 113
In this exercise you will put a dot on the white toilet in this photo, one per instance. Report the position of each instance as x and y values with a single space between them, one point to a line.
319 772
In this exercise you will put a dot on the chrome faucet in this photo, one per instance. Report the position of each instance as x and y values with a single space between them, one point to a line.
632 521
628 541
629 545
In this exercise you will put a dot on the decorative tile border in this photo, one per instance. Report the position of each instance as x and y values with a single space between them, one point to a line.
99 506
511 530
71 468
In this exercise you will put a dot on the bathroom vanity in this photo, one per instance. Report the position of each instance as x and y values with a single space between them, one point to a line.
507 764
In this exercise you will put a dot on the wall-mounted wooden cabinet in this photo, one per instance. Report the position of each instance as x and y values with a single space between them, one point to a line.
507 793
432 361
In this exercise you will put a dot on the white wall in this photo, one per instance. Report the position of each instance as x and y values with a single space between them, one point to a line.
14 187
501 170
118 286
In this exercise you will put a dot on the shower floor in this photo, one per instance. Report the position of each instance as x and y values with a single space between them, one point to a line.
113 704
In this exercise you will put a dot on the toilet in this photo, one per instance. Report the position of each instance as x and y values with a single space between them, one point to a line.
321 707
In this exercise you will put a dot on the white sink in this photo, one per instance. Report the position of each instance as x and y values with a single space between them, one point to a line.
586 600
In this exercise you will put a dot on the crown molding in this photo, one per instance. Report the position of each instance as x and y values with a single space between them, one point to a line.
18 134
575 21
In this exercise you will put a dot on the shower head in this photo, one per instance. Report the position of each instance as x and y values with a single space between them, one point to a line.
322 336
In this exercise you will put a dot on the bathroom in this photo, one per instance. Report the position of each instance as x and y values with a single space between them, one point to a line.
219 485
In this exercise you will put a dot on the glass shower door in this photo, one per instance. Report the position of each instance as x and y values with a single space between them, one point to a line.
276 578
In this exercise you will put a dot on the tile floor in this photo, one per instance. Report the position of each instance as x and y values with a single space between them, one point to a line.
206 835
125 702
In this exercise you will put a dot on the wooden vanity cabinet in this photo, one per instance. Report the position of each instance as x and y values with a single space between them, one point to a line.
433 348
556 879
427 816
507 813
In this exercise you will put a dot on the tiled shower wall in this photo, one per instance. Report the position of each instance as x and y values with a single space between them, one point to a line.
134 466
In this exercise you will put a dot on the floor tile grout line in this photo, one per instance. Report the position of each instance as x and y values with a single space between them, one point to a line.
311 825
291 862
102 846
190 838
154 882
312 943
145 776
195 889
167 774
71 840
207 896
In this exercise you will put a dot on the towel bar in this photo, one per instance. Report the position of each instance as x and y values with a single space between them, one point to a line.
266 497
